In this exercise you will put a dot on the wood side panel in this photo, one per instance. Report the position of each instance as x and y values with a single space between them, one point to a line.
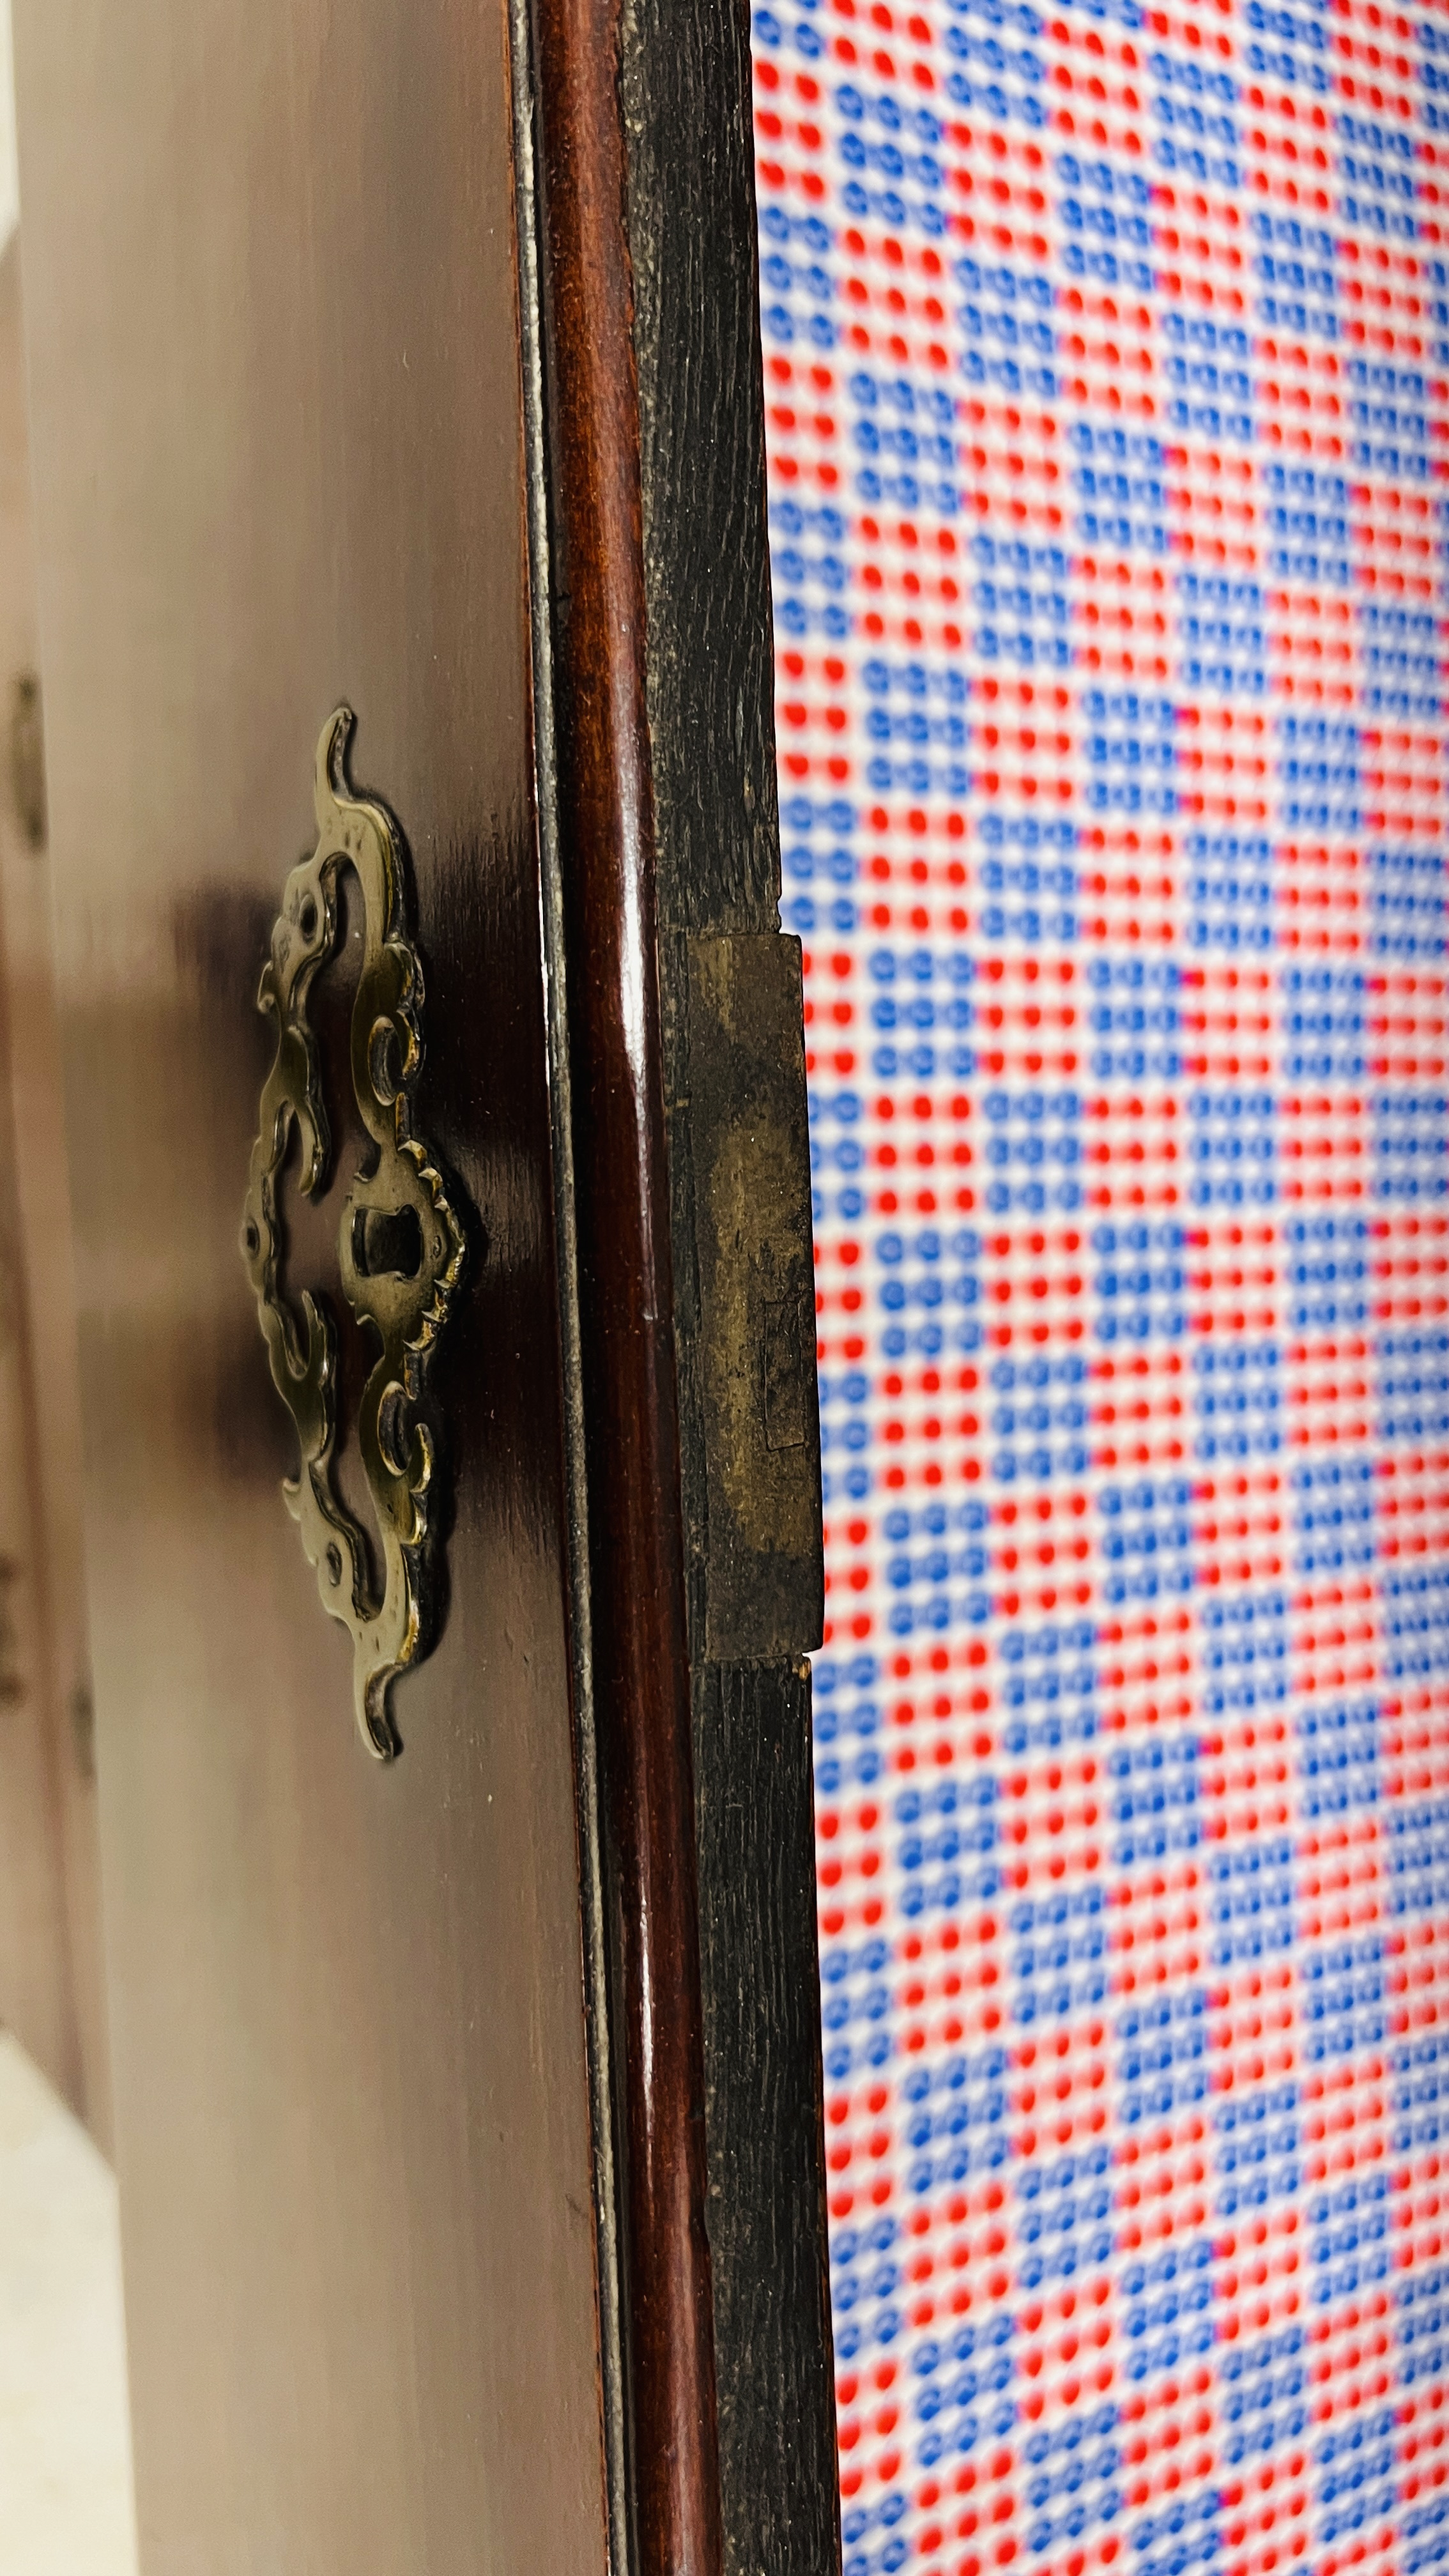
273 330
754 1608
686 100
766 2118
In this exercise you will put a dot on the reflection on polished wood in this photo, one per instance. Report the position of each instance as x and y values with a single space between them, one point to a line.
638 1603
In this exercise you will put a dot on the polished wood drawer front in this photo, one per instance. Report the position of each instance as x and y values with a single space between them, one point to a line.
275 369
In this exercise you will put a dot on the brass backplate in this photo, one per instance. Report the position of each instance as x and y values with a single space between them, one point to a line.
401 1247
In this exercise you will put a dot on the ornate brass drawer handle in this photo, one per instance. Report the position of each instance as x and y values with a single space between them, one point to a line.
401 1247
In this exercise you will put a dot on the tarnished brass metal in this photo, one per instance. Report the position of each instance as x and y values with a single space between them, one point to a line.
400 1246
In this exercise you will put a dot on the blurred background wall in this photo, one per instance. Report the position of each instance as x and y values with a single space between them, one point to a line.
50 1949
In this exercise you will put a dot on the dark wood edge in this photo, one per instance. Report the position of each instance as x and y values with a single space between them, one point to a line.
639 1645
689 124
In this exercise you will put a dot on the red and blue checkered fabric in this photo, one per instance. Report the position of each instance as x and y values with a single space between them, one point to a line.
1107 377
